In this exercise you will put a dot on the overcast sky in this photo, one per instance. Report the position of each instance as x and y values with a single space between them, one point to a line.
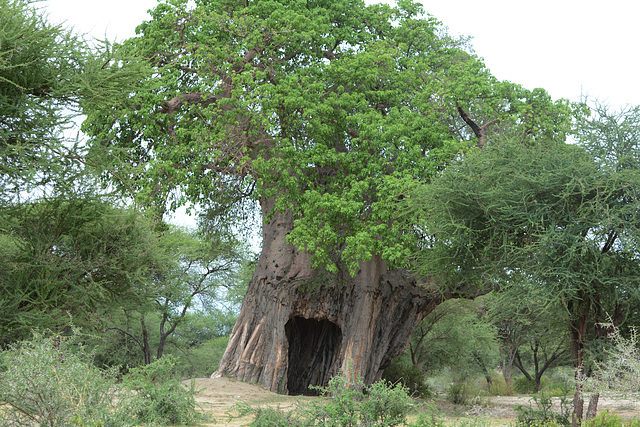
568 47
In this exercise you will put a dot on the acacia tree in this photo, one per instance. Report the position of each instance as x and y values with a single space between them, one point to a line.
532 334
563 215
68 261
65 250
323 112
46 72
196 273
456 335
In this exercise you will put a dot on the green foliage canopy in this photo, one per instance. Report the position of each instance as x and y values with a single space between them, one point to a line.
326 109
562 216
63 257
46 73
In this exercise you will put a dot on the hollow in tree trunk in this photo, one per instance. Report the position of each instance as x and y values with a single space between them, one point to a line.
300 326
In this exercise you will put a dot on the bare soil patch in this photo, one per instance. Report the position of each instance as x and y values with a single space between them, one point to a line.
219 395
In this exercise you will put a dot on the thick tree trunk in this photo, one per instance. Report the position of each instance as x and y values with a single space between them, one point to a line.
298 326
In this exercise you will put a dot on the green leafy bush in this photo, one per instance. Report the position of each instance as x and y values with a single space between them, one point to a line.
350 404
461 392
50 381
428 419
523 385
267 416
605 419
557 388
499 387
610 419
160 398
411 377
542 415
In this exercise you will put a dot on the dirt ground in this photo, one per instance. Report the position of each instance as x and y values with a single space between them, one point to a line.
218 396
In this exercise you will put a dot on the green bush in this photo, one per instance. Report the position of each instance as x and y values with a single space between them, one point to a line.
50 381
160 398
270 417
542 415
463 392
557 388
349 404
604 419
523 385
499 387
411 377
429 418
610 419
385 404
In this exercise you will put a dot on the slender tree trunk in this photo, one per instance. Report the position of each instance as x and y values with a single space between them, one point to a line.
300 326
483 367
578 331
507 357
146 349
578 402
593 406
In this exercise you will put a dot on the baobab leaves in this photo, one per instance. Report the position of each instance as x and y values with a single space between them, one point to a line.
334 109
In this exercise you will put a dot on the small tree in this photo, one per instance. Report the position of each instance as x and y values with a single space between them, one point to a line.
197 274
46 73
455 335
531 332
619 372
70 259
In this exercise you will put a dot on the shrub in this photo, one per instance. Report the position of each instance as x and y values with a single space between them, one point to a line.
542 415
499 387
385 404
50 381
558 388
605 419
410 376
349 404
160 398
428 419
462 392
523 385
270 417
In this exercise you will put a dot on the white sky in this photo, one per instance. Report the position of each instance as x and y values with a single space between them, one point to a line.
568 47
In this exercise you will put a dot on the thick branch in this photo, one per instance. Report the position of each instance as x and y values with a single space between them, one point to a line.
479 131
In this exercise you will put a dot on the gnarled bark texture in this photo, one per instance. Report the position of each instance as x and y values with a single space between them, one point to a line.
298 326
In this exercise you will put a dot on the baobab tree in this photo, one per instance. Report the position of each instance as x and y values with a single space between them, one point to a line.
324 112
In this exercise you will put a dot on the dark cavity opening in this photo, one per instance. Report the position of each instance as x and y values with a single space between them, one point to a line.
313 345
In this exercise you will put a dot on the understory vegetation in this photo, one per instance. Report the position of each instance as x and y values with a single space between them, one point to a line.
52 381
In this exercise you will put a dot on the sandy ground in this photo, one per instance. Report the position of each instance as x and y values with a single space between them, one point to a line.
219 395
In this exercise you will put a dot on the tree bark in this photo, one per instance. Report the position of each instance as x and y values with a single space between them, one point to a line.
578 407
300 326
592 409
